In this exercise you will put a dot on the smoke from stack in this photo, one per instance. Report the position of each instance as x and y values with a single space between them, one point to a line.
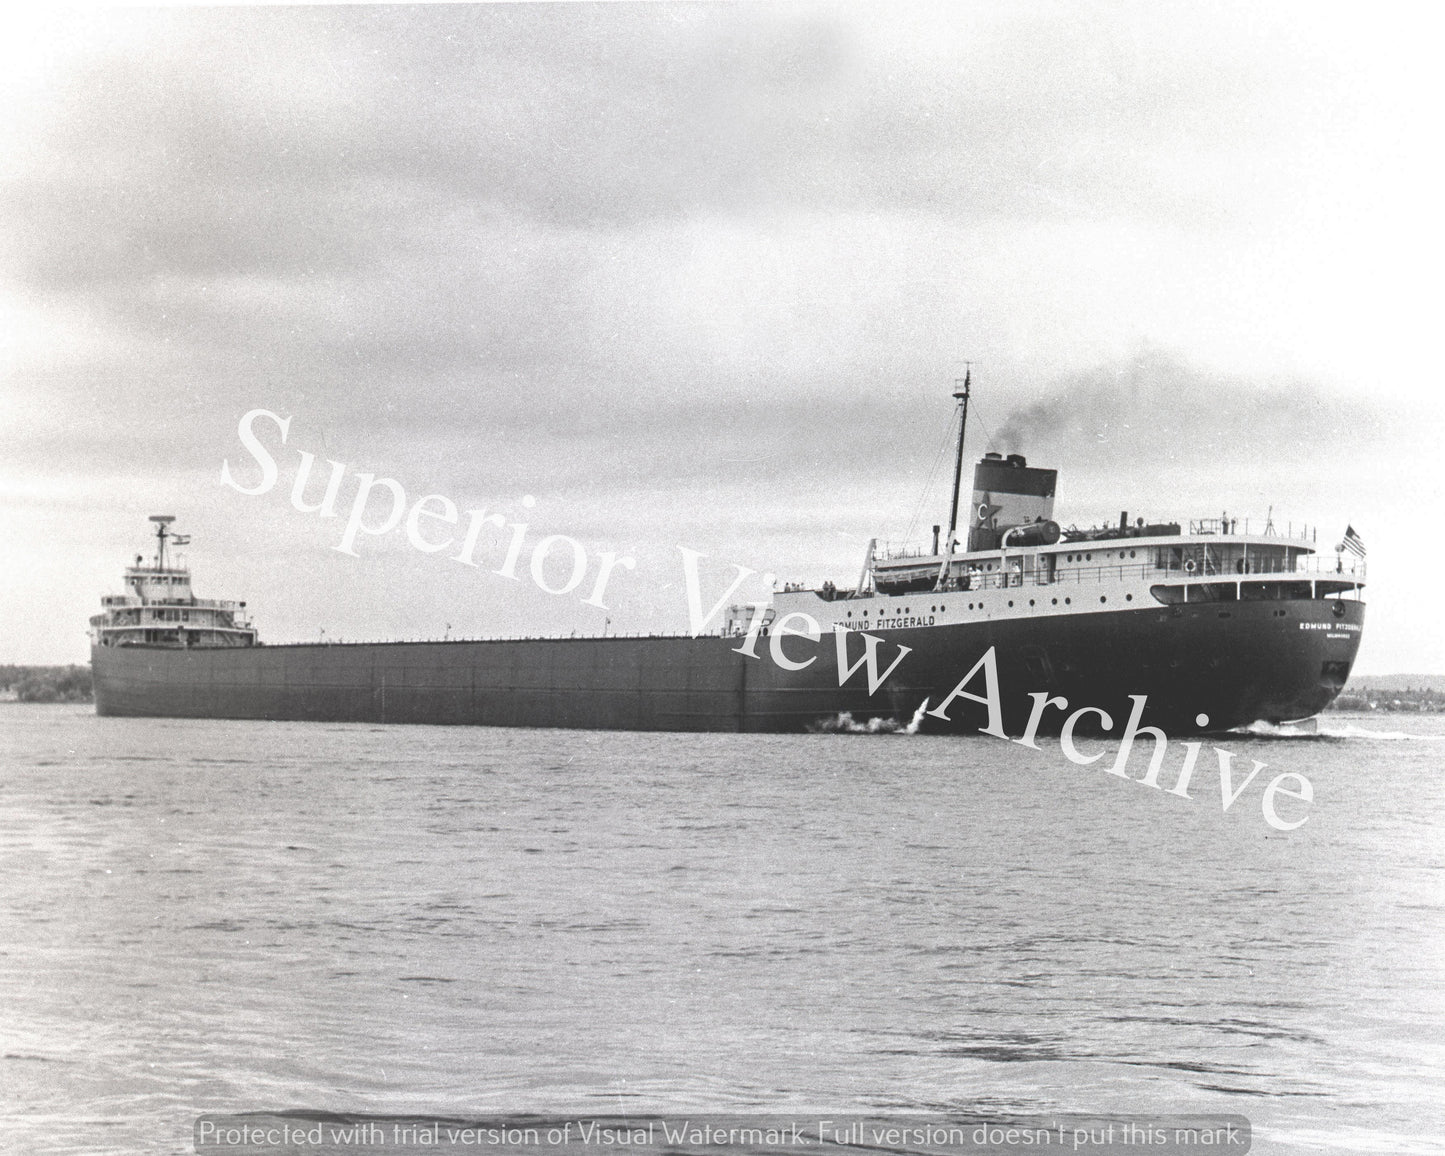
1153 406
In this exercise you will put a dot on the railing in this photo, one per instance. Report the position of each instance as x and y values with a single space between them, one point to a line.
1225 525
123 601
1306 568
891 552
1305 565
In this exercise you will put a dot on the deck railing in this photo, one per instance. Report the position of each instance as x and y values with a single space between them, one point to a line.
1307 567
1222 526
1204 570
1225 525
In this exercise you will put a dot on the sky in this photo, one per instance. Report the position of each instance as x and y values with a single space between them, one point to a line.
654 276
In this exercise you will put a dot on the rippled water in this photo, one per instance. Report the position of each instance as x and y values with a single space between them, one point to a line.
209 916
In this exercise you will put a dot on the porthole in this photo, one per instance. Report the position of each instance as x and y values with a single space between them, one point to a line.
1103 598
1131 553
1031 601
1010 601
850 614
1068 601
1055 601
1088 557
1128 598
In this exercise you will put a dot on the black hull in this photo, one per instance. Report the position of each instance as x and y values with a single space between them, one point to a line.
1236 663
1240 663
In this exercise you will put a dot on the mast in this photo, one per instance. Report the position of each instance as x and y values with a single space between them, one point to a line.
161 521
960 391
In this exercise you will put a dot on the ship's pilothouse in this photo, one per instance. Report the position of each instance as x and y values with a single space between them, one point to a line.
1018 562
159 609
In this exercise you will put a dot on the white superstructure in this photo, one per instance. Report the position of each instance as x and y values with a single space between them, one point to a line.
158 607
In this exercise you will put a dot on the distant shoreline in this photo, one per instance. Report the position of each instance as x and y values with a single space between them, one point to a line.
45 684
1408 700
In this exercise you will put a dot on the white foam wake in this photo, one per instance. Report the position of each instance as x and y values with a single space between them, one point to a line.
1324 728
845 723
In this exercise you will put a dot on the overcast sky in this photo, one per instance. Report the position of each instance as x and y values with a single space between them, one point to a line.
704 275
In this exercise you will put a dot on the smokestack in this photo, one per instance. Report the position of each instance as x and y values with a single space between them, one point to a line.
1008 492
935 539
1123 519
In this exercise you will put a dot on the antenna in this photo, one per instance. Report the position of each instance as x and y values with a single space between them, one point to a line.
960 391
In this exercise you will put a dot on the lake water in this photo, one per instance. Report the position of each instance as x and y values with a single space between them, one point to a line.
204 916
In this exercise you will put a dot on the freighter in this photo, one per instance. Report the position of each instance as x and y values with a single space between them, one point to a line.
1210 625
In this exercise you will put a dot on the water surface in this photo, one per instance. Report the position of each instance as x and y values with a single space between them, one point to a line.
205 916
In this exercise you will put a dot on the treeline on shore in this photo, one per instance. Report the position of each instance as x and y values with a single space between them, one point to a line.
45 683
1410 699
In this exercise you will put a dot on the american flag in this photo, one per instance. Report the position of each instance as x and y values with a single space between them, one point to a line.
1353 542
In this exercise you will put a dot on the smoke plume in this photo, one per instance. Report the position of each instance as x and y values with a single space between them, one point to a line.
1155 407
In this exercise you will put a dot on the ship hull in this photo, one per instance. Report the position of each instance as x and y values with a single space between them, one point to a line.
1268 660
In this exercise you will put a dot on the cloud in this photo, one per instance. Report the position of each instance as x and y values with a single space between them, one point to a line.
713 265
572 212
303 140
